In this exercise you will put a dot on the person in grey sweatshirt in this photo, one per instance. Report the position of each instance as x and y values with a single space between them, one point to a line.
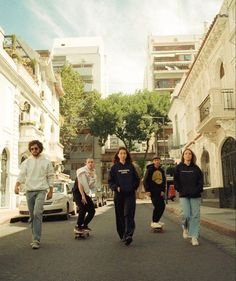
37 173
83 188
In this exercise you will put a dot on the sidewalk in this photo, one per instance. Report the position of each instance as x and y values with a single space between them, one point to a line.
9 215
218 219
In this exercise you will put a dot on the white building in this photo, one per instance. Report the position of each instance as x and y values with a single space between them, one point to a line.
86 55
29 109
203 109
168 58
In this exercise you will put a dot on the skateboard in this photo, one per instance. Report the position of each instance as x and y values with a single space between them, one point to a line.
157 229
81 234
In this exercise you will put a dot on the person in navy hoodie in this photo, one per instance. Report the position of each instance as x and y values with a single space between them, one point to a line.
124 181
188 181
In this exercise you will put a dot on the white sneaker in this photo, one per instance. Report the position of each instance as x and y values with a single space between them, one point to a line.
156 225
185 234
162 223
194 241
35 244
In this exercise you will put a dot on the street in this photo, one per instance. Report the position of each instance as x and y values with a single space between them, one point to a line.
102 257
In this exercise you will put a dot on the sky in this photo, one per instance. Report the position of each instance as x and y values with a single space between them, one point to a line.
124 26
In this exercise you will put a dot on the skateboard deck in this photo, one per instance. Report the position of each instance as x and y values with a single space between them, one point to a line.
157 229
81 234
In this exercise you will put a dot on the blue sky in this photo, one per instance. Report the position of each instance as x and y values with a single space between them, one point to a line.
123 24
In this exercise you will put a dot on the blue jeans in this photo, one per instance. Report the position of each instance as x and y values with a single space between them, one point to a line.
191 215
35 200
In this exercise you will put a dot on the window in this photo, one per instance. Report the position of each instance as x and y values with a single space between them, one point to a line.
222 71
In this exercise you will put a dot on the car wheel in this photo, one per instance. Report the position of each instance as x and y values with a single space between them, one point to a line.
67 215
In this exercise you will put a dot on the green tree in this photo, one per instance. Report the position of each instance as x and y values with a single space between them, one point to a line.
129 117
75 105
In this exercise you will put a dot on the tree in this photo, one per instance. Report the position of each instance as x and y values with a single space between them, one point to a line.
75 105
129 117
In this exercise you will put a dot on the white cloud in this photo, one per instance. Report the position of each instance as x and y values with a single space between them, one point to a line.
124 26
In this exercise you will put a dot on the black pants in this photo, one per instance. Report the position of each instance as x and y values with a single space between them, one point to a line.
159 206
125 205
89 209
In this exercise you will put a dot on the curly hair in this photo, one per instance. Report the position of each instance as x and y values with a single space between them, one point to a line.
36 142
117 159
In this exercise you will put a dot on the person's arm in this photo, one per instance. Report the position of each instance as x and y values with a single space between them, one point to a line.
146 180
112 180
50 179
163 188
176 179
81 190
200 180
21 177
136 178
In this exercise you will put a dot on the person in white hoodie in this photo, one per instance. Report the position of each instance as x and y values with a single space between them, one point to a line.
83 188
37 173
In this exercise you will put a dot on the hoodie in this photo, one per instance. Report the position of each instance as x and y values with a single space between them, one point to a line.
188 180
154 179
123 176
87 179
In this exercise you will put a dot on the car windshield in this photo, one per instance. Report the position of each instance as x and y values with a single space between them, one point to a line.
58 188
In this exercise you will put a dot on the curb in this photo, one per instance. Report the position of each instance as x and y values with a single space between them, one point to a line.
211 224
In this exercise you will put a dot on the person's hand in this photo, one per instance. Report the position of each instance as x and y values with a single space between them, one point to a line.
148 194
118 189
17 189
83 200
49 194
162 194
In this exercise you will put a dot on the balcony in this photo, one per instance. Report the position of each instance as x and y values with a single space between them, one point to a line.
56 152
218 105
29 131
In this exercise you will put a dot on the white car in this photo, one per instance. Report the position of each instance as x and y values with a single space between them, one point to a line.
60 204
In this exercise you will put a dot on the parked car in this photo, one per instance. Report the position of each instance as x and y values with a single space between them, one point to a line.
60 204
101 195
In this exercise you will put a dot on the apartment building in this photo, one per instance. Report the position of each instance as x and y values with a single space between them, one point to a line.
29 109
86 55
203 110
168 58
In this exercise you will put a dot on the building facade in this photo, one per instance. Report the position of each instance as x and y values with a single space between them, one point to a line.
168 58
203 110
29 109
86 55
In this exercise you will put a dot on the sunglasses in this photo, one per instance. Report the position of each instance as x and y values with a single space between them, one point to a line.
34 148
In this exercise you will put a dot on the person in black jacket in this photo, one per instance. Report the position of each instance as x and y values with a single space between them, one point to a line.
124 181
188 181
155 185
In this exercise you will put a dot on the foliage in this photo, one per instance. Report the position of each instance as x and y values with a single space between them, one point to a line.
130 117
75 105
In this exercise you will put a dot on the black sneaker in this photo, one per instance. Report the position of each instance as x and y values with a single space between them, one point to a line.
78 229
86 228
128 241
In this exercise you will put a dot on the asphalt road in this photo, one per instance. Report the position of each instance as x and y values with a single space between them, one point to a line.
102 257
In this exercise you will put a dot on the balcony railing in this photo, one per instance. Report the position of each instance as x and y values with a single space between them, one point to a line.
219 104
228 98
205 108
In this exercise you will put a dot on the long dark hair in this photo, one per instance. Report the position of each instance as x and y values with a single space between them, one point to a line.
117 159
194 158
